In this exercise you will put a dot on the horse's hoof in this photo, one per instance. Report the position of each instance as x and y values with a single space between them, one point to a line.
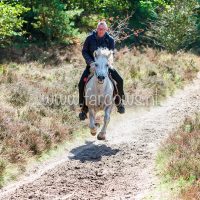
101 136
97 124
93 131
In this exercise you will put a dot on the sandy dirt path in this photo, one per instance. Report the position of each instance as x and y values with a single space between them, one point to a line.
120 168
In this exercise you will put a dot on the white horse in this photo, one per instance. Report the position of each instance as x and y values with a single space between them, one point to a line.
99 91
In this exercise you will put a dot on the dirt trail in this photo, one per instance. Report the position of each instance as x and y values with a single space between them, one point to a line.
120 168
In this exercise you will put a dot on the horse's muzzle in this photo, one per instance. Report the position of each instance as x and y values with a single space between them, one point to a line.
101 78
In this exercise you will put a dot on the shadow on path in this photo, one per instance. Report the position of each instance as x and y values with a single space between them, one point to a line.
91 152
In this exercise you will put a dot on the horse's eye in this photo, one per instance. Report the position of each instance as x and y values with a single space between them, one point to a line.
96 65
107 65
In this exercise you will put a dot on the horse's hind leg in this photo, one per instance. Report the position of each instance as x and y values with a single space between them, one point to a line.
92 126
102 134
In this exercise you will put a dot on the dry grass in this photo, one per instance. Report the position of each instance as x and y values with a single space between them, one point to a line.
155 71
191 193
180 158
29 125
35 83
2 167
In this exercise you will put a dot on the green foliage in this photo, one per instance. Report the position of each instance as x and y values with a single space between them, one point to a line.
176 23
96 10
176 26
149 9
54 20
197 33
11 22
89 22
105 7
141 10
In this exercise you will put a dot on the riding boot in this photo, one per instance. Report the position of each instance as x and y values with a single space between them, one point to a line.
119 103
121 108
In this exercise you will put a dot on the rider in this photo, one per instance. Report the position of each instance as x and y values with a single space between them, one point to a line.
99 38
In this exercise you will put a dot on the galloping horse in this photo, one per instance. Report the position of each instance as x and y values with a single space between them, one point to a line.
99 91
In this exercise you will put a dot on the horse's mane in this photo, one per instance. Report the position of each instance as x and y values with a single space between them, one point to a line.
105 52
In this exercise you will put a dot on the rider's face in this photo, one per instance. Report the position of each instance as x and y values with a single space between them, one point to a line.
101 30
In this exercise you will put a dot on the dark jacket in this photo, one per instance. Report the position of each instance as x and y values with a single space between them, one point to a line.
91 44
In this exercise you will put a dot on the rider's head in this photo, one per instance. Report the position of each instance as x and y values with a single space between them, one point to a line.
101 28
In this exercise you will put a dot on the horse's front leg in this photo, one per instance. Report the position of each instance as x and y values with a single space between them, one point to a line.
102 134
92 126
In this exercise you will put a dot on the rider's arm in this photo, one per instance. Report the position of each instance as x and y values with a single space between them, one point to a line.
112 44
85 52
111 47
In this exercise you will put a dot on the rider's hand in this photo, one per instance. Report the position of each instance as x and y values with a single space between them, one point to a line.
92 67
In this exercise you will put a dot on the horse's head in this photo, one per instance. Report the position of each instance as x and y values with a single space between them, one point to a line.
103 60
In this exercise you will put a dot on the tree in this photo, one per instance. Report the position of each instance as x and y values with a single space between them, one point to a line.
11 22
54 20
176 27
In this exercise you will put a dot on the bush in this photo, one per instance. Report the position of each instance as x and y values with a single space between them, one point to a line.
11 22
19 96
182 150
176 27
2 170
179 157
